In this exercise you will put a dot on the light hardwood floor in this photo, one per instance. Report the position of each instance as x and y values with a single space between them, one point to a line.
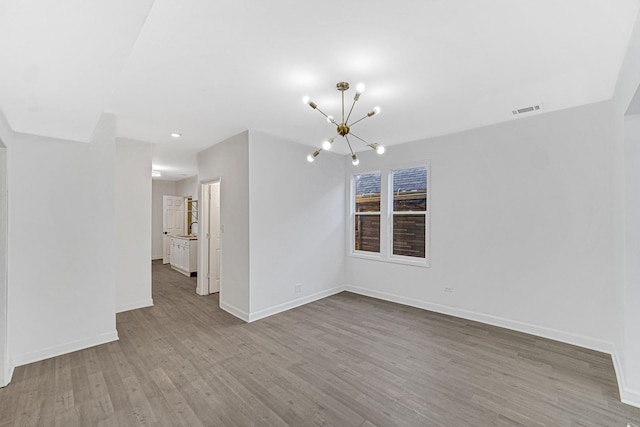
346 360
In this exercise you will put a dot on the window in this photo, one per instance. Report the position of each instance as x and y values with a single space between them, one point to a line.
367 212
390 218
409 212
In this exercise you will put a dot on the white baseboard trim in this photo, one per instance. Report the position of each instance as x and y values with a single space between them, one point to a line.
528 328
8 374
627 395
46 353
200 285
12 368
235 311
261 314
134 305
630 397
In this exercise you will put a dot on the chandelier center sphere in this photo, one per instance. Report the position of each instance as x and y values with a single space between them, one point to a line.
343 129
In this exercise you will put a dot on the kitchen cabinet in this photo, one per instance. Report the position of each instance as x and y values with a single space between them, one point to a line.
184 254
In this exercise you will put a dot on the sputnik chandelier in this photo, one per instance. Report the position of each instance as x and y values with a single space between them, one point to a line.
344 127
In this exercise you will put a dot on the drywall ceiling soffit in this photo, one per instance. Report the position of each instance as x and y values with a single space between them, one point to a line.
634 105
61 61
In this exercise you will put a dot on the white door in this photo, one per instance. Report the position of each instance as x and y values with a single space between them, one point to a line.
214 241
172 222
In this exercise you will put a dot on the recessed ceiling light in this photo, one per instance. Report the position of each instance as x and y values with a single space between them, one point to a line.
156 174
176 134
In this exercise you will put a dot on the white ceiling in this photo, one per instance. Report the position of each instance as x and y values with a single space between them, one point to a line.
210 70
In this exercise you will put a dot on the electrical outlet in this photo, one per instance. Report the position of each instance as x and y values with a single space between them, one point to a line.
297 288
450 290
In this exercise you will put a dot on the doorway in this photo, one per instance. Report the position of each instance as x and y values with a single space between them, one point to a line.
172 223
211 245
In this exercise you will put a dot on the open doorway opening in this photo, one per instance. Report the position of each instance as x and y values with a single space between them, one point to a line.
172 223
210 247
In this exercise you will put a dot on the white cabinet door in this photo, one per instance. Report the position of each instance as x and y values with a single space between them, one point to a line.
180 255
173 251
184 255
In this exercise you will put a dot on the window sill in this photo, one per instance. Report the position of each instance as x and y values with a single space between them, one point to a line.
424 263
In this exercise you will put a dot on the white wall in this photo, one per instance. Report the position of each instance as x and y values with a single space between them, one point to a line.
61 244
297 230
159 189
188 187
133 224
4 354
521 227
229 162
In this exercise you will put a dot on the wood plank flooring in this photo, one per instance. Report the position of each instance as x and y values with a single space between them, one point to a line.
343 361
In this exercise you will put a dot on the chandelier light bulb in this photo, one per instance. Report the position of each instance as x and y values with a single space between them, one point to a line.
330 119
306 99
311 157
326 144
380 149
354 160
360 87
376 110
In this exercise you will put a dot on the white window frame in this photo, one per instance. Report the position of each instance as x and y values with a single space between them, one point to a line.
386 218
403 258
352 203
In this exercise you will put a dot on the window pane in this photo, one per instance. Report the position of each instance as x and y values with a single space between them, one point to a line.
409 235
410 190
367 233
368 192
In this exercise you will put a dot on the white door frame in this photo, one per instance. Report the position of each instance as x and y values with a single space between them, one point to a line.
204 216
5 368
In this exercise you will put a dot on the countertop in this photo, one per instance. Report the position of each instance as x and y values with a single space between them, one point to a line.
185 237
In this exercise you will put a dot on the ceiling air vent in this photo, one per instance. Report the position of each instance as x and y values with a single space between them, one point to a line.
526 110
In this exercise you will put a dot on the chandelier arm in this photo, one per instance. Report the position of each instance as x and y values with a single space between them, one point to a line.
351 110
321 112
343 107
349 144
356 136
359 120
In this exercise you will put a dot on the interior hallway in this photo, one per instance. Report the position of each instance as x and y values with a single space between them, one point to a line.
346 360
